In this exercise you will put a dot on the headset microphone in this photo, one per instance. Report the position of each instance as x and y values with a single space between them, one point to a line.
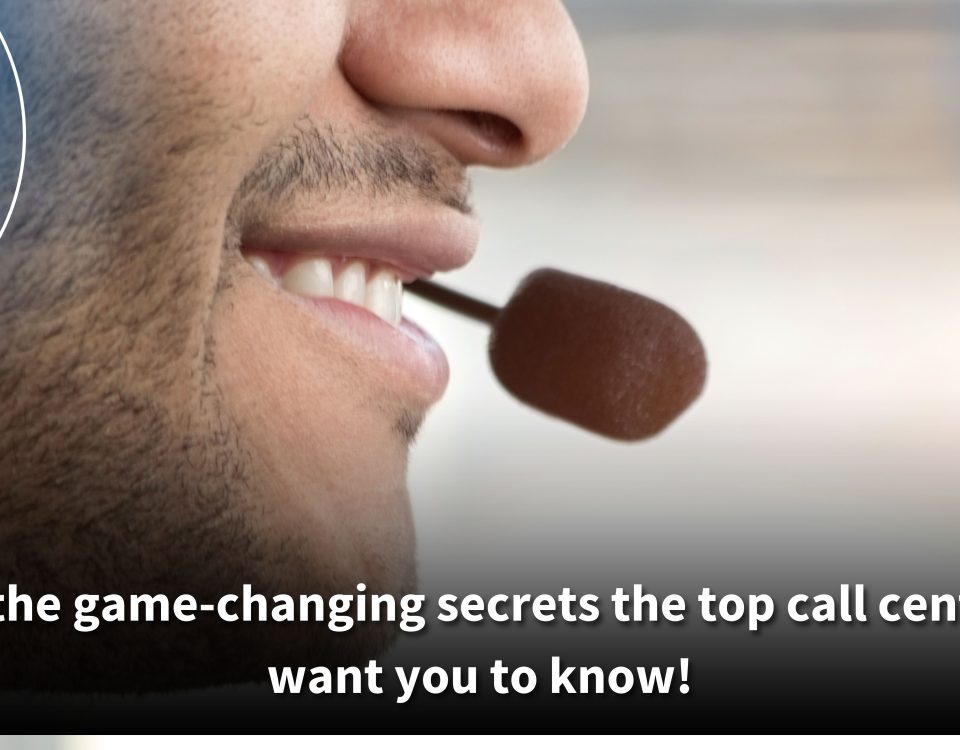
604 358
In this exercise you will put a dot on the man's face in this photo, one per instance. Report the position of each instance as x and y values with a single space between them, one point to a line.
205 382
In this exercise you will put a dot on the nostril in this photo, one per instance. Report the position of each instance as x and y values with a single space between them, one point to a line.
496 132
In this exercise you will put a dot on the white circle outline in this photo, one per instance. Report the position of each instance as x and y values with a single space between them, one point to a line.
23 125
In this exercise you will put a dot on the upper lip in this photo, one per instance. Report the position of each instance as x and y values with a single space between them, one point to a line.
416 245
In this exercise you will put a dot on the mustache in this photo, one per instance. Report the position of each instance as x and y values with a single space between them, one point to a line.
319 160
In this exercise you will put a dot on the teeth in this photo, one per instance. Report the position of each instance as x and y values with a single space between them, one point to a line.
351 284
310 278
261 267
385 296
381 294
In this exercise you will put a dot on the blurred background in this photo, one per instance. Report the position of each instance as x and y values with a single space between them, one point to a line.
787 176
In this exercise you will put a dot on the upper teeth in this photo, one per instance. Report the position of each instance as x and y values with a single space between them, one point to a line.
384 296
381 293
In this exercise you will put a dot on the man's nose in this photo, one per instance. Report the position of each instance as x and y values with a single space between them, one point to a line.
496 82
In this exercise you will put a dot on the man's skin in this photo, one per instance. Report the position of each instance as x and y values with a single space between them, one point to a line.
171 421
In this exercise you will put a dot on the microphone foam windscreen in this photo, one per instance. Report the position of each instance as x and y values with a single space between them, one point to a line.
606 359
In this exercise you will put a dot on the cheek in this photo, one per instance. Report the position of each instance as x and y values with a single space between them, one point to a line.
283 44
225 79
325 460
275 51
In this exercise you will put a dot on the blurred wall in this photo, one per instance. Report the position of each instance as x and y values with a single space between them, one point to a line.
786 175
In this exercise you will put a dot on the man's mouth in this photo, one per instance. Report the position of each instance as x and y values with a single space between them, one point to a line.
361 266
349 282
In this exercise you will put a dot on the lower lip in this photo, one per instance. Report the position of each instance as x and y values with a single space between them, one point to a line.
408 355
